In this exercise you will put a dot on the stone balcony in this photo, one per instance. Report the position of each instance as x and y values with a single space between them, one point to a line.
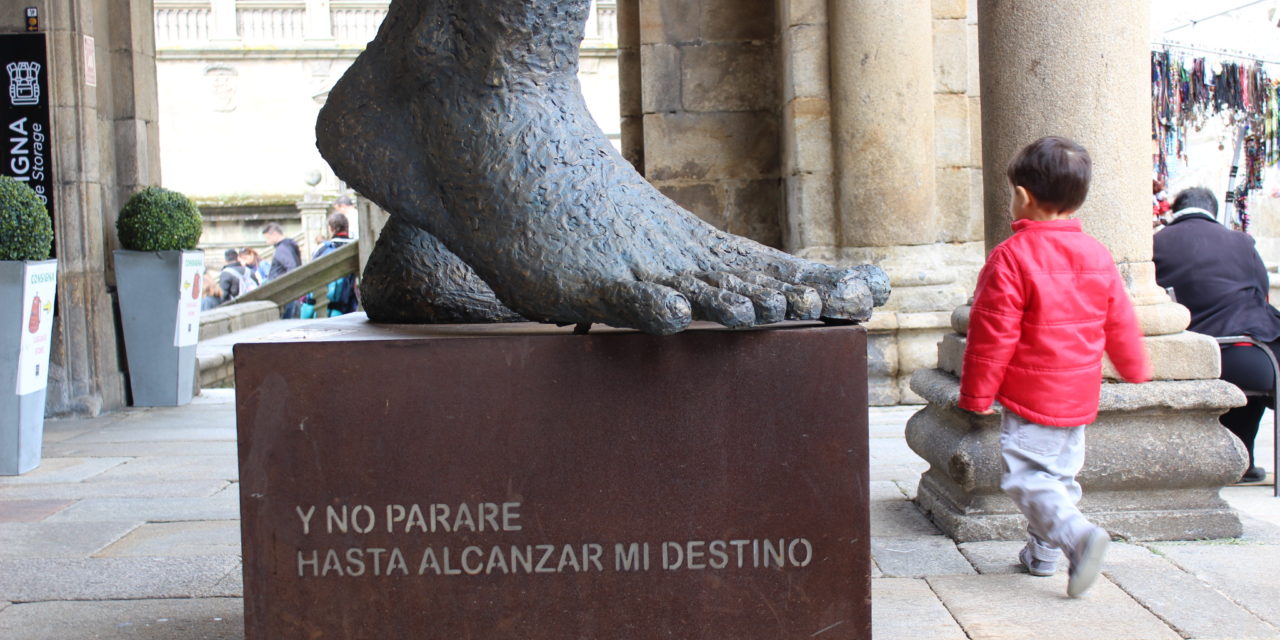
254 24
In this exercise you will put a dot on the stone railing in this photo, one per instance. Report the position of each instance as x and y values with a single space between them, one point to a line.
274 23
195 24
181 23
602 26
356 22
313 277
199 24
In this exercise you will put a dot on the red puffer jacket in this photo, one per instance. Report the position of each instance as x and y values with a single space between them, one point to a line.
1049 302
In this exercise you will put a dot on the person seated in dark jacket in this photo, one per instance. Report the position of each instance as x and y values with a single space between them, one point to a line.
1218 275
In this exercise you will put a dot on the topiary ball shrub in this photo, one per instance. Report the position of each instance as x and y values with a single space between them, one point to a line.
26 232
157 219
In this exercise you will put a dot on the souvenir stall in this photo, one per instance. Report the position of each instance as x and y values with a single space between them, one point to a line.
1233 95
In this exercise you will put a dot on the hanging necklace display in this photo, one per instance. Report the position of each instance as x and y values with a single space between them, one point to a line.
1185 94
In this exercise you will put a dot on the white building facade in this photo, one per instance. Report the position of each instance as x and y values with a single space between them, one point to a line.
240 83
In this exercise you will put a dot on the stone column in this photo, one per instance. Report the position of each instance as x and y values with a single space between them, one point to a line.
629 76
1156 455
314 212
882 99
884 159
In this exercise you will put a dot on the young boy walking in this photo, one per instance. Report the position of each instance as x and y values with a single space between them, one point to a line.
1049 301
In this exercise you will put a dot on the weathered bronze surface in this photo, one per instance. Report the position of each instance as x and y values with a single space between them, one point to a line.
744 451
464 120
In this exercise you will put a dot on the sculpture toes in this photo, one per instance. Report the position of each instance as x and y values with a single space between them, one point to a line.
715 304
803 303
647 306
770 305
845 294
876 280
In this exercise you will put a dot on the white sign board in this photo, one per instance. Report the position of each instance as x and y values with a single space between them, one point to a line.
39 288
190 289
90 63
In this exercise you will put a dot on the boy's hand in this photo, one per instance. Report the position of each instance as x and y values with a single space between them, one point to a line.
989 411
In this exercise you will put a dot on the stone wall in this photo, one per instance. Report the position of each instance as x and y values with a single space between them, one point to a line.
706 106
105 147
763 118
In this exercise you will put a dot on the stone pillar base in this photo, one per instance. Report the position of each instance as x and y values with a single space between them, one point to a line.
1155 461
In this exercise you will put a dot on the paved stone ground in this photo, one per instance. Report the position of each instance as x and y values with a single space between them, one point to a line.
129 530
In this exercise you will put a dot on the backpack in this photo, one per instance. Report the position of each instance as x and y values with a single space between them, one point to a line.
248 280
244 280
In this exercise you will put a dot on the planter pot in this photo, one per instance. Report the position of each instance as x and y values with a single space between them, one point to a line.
160 311
25 338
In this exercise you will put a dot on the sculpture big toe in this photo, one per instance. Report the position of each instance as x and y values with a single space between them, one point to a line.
464 119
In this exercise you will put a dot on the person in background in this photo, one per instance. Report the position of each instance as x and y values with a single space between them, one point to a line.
253 264
1217 274
232 276
212 291
345 206
341 292
287 258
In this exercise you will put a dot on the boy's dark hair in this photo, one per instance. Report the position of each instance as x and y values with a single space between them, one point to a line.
1196 197
338 222
1055 170
231 255
273 227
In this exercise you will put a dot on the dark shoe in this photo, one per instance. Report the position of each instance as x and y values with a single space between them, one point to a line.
1253 474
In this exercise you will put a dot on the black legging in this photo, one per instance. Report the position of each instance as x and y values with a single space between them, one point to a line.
1249 368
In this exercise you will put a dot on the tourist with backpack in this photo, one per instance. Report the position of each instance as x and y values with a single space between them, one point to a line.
341 292
234 278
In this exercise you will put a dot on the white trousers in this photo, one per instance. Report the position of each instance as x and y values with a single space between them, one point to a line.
1041 464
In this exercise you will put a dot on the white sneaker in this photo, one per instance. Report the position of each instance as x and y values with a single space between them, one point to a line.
1035 566
1087 562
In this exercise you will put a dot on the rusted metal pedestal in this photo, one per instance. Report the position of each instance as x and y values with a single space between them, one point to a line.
516 481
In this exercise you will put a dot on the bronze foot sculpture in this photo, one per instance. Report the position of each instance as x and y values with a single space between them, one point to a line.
464 119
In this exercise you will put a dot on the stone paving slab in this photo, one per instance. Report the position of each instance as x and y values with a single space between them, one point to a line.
61 470
41 579
73 425
59 540
223 505
1260 512
164 469
175 539
907 609
1019 607
890 422
233 582
893 460
1192 607
1248 574
135 449
177 619
894 516
997 557
918 557
141 489
145 433
30 510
